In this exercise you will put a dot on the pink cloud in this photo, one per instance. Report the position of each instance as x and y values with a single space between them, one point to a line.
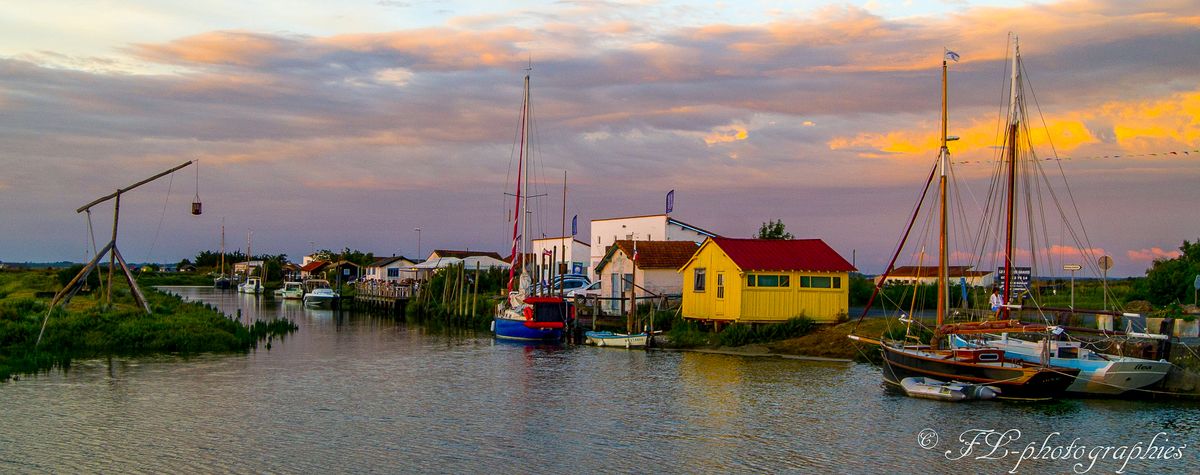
1150 255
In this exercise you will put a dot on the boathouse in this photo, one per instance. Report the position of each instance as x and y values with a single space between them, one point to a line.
765 280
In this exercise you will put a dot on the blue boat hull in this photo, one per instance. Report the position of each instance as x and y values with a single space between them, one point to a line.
516 330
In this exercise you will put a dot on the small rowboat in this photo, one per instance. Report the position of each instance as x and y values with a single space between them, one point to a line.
606 338
953 391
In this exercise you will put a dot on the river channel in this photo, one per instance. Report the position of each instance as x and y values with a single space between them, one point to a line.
357 393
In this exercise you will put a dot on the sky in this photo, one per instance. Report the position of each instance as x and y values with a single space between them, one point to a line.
330 125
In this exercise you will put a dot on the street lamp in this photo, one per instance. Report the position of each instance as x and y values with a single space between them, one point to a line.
418 230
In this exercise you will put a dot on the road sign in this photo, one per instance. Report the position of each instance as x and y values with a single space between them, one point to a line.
1106 263
1072 267
1196 284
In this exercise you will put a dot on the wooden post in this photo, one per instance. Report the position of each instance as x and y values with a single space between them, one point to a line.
112 258
475 294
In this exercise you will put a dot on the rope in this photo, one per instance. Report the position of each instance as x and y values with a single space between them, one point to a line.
161 218
1170 154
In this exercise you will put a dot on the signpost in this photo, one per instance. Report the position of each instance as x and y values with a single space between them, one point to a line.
1072 268
1020 282
1105 263
1195 288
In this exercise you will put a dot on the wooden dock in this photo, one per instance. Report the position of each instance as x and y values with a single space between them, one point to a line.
382 296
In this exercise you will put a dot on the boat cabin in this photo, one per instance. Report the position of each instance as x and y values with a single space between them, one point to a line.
547 312
979 355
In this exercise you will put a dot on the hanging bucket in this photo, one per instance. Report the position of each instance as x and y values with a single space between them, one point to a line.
196 208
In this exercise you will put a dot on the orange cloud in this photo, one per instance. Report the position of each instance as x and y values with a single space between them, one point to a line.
1151 254
726 134
218 47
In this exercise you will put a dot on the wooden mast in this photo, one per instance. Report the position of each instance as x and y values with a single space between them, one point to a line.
943 277
1014 119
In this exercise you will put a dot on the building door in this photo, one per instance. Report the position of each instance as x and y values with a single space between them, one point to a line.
719 306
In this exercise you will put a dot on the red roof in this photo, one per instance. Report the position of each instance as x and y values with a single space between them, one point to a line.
314 266
783 255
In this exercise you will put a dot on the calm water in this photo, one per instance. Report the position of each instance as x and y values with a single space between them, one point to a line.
351 393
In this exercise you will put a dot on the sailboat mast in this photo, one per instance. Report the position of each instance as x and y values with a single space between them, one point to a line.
563 242
1014 119
943 273
518 252
222 247
526 146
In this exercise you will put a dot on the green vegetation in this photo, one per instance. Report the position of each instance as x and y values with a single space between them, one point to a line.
85 329
1170 280
773 230
688 334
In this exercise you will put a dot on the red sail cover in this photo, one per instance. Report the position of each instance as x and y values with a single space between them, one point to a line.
998 326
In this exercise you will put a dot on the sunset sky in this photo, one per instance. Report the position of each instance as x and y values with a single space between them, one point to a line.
348 124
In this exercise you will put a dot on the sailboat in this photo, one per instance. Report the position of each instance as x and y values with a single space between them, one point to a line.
1099 374
252 285
907 358
222 280
524 315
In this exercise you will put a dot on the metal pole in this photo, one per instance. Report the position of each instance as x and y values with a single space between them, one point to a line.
1072 290
1105 289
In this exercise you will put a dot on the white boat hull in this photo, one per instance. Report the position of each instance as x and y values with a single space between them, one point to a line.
619 340
1106 375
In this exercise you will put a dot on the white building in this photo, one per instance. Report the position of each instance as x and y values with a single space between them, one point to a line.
574 260
393 269
656 227
657 269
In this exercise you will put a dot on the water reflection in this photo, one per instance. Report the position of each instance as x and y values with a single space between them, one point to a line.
357 393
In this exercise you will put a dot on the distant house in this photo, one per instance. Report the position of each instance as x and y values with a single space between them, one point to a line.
657 269
291 272
441 253
395 268
247 267
571 255
343 272
909 275
765 280
313 270
655 227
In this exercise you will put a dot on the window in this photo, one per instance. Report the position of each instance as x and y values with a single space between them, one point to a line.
814 282
753 280
393 272
720 285
698 281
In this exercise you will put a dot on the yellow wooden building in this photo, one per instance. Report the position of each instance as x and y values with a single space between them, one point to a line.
765 281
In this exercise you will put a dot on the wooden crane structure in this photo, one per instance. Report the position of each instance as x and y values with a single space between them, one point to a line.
114 255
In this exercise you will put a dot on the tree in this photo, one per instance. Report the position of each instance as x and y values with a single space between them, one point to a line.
1170 280
773 230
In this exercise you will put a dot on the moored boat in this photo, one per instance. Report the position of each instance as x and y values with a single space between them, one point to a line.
953 391
620 340
321 297
252 285
291 291
1098 373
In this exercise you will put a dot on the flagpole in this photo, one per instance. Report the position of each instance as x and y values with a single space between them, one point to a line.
563 240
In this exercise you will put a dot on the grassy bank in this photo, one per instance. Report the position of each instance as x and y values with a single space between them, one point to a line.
85 329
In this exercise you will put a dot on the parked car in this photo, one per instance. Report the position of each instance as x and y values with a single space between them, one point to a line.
569 283
591 290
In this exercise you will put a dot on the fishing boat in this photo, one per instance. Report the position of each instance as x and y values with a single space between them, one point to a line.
291 291
953 391
619 340
527 314
984 365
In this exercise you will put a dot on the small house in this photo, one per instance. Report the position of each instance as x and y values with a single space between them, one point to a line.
656 270
765 280
313 270
655 227
391 269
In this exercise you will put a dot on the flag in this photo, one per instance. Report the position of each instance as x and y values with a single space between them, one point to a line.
952 56
670 201
547 252
635 251
574 225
